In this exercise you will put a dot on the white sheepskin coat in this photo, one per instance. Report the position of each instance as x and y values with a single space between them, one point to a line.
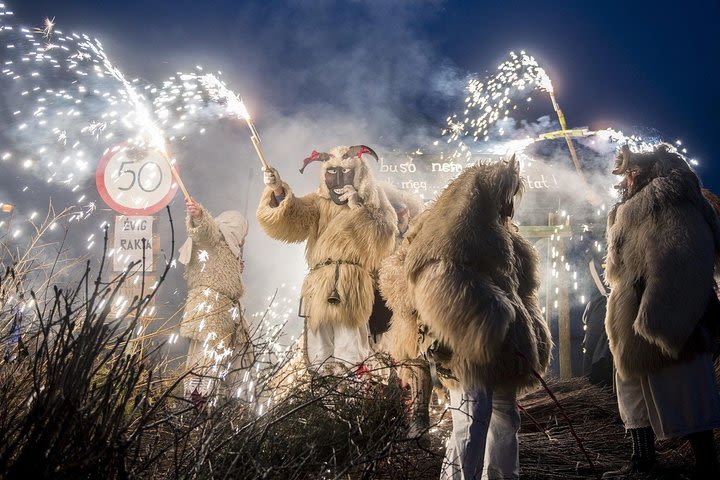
359 237
662 243
472 280
214 284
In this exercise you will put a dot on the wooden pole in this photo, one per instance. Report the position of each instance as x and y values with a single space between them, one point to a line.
568 140
548 273
564 333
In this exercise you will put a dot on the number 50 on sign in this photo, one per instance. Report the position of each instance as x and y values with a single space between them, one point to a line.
135 181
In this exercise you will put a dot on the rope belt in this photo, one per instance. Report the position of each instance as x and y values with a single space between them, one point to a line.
334 298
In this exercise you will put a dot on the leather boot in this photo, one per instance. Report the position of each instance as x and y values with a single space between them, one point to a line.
643 455
706 461
421 391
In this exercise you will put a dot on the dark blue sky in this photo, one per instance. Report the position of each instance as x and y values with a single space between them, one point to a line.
633 63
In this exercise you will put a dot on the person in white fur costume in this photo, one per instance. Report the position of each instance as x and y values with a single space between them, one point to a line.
468 281
349 227
663 245
213 320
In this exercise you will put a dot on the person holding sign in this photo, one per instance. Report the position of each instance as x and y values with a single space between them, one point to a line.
213 321
349 226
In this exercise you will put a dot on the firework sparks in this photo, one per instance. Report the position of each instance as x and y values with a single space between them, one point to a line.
47 29
495 98
185 95
219 92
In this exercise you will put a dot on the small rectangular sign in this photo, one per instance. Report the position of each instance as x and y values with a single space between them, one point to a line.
131 235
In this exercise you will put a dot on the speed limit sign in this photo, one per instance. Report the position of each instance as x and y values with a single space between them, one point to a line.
135 181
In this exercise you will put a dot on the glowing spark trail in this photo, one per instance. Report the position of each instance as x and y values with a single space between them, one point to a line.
236 107
493 100
186 93
47 31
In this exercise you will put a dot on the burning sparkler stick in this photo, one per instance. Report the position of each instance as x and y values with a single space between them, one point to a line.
546 84
255 138
568 140
153 135
167 154
236 106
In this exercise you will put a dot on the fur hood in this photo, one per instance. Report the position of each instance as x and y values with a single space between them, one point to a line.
473 280
662 245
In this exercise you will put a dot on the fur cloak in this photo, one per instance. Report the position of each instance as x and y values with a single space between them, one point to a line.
472 280
662 244
355 240
401 340
214 283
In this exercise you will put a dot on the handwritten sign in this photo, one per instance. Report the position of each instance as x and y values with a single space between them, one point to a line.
133 237
421 173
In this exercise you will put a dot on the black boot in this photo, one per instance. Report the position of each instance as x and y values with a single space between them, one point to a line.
706 461
643 456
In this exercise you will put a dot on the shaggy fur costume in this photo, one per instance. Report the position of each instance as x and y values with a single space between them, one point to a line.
396 196
472 279
662 245
360 238
400 341
214 286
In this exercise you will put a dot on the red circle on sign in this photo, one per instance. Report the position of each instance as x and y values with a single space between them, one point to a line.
123 209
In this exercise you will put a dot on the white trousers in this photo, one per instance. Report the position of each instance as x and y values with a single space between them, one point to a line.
676 401
484 439
333 344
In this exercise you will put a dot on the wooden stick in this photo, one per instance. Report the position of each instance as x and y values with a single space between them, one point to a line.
563 126
255 139
176 175
179 181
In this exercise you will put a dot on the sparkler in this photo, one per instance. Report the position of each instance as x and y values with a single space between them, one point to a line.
47 30
152 134
73 84
563 126
185 95
494 98
220 92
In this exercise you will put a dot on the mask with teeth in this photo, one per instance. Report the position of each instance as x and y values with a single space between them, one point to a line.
336 178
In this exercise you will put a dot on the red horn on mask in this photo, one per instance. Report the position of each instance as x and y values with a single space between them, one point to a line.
359 150
314 157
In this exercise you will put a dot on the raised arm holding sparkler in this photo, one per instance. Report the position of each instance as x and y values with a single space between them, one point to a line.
213 321
350 227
